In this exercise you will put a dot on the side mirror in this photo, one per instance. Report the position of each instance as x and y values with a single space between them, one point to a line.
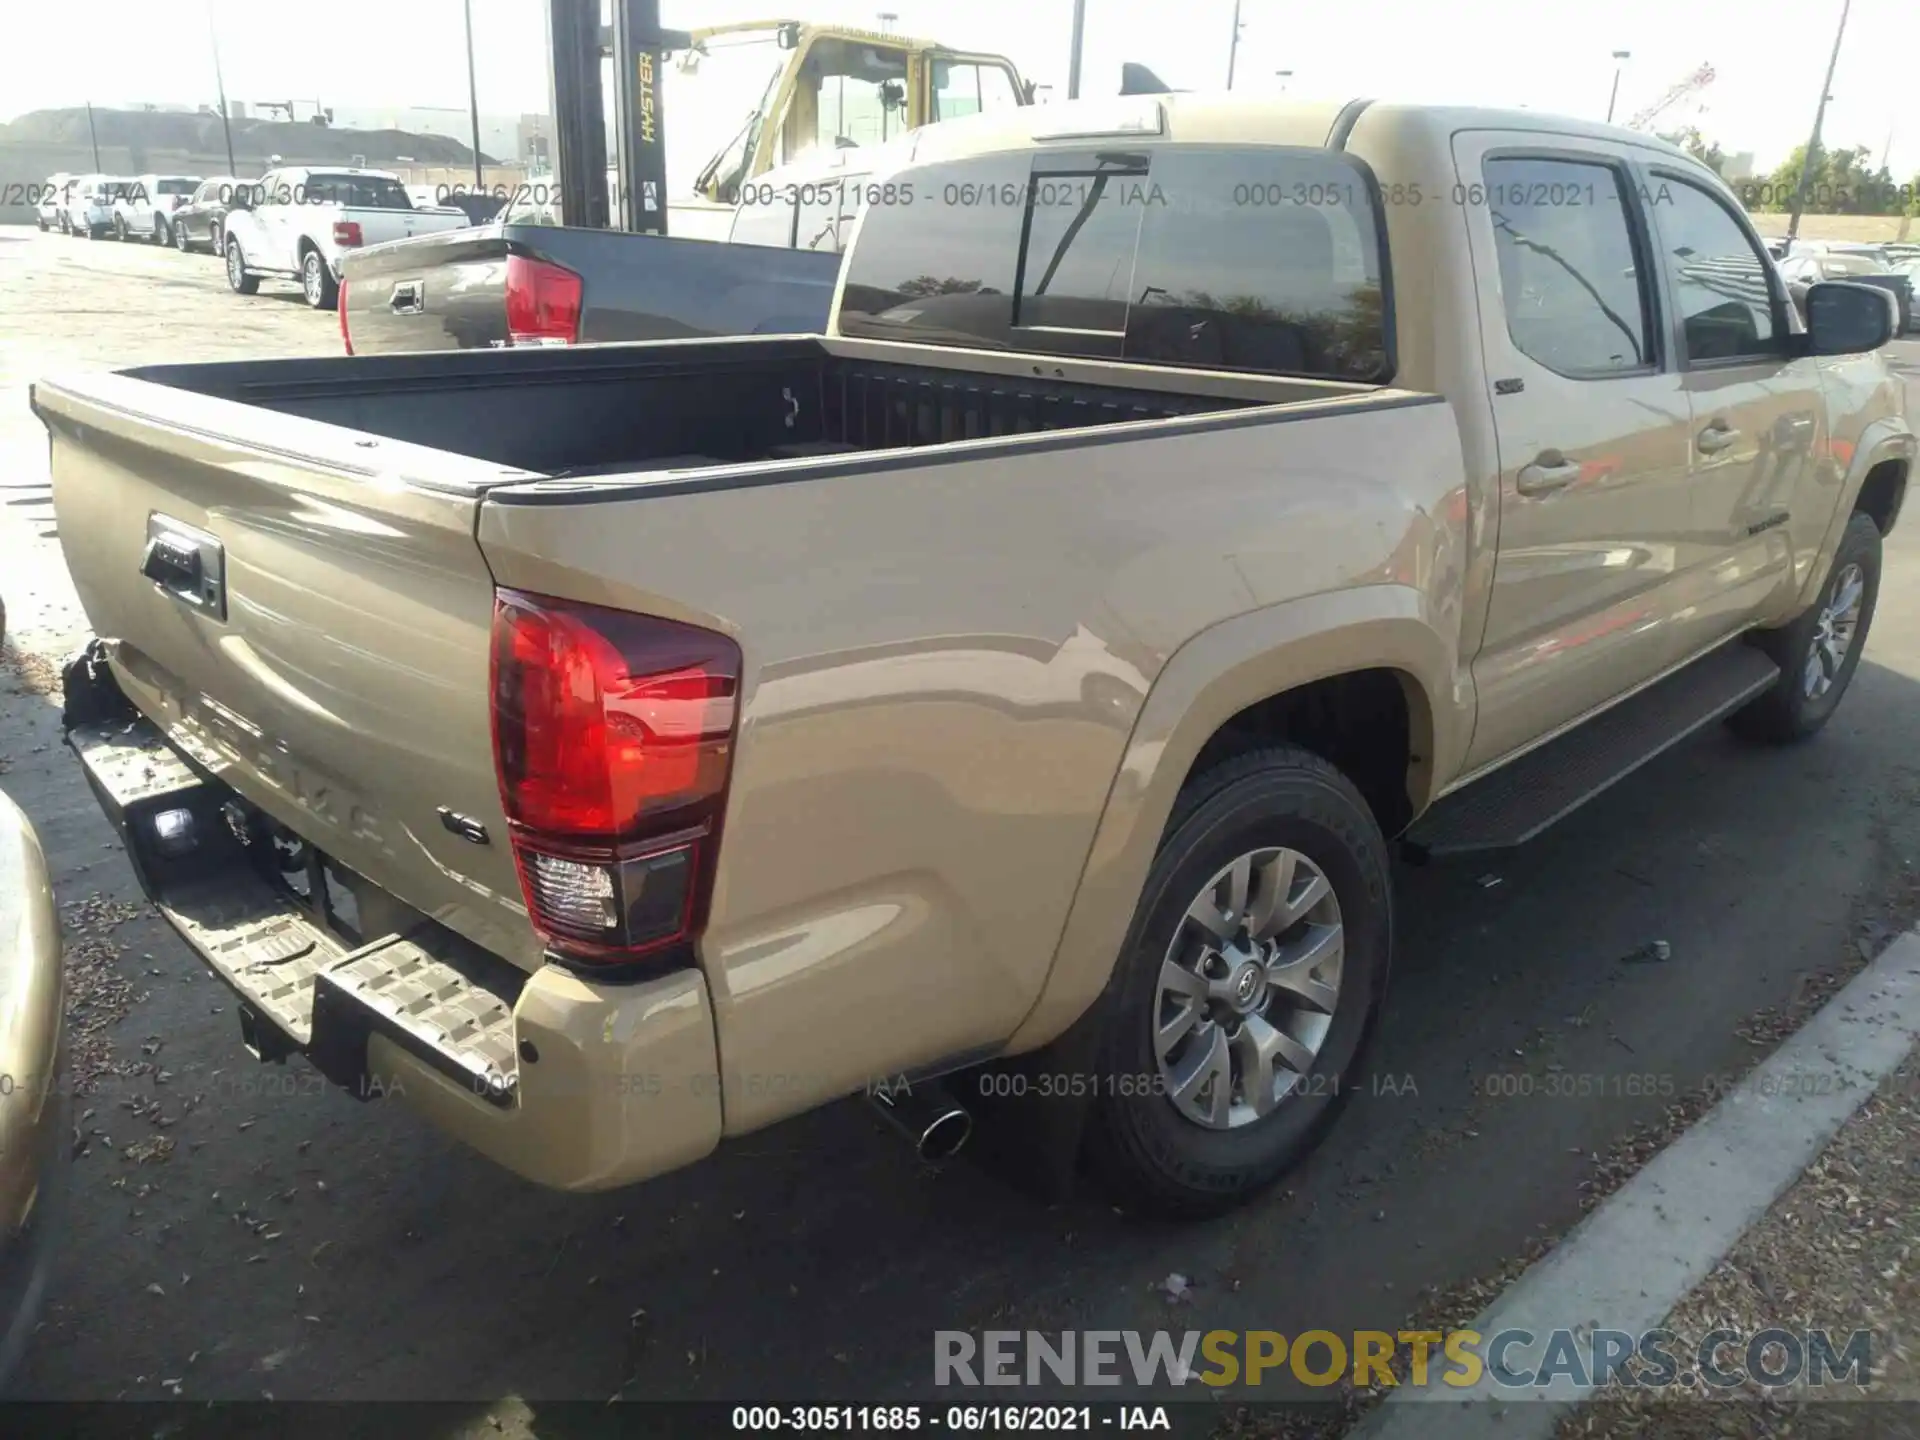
1844 319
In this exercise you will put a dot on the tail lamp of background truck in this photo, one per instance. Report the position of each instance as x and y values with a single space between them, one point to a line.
543 302
613 740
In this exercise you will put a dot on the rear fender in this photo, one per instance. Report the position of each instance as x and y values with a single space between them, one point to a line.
1212 678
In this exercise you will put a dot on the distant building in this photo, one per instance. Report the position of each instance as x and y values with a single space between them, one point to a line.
1738 166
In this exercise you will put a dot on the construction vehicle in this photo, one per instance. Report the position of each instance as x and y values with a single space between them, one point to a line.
808 86
743 98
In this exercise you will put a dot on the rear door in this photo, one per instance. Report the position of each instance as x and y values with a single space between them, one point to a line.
1756 410
1592 427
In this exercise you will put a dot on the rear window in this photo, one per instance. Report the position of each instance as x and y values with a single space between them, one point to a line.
177 187
1249 258
366 192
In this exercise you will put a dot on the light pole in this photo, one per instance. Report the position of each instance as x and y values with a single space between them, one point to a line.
93 136
1620 58
1073 60
473 106
1233 47
1819 115
220 84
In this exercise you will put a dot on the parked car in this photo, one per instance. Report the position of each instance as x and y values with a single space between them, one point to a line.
197 223
1011 691
49 210
35 1133
1861 267
1911 269
147 207
89 208
298 223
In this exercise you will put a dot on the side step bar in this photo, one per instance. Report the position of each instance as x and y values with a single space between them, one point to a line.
1519 800
301 986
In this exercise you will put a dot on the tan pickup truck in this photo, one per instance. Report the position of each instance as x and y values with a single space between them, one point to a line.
1013 692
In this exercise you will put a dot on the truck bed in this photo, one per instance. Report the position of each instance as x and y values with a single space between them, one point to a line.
603 410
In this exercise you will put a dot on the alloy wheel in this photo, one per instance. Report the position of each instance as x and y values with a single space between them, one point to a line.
1248 988
1833 633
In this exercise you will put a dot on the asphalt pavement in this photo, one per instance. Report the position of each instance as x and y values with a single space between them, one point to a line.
293 1242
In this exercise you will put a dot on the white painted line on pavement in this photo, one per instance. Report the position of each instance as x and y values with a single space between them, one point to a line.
1644 1249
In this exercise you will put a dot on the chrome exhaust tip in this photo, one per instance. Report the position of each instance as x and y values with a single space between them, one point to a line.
933 1122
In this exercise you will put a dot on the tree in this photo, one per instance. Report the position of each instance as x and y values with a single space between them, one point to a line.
1708 153
1841 182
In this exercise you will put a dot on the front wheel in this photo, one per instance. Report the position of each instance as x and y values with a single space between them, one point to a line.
1818 652
237 278
1248 987
180 241
317 281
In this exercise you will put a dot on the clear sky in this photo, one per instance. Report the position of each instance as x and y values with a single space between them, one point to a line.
1546 54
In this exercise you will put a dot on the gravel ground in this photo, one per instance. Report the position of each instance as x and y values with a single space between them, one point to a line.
1836 1252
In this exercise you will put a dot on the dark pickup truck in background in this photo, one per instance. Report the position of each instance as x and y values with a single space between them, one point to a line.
529 279
517 284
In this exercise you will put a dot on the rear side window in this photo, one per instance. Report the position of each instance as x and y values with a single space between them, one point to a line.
1252 258
1570 280
1719 279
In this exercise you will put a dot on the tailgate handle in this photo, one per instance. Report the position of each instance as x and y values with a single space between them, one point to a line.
406 299
189 564
171 562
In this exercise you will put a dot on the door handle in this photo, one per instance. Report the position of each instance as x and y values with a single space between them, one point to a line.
1546 474
1716 437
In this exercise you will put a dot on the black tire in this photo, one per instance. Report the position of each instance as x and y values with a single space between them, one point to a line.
238 280
162 232
120 228
180 240
41 223
1152 1157
317 282
216 239
1788 711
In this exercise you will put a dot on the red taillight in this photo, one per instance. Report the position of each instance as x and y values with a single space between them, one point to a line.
346 232
340 302
613 742
543 302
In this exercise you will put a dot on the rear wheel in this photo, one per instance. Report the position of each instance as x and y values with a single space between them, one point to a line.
217 239
316 279
162 232
1820 650
41 221
238 280
1248 987
120 228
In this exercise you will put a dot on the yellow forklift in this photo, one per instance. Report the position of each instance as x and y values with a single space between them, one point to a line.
809 87
764 92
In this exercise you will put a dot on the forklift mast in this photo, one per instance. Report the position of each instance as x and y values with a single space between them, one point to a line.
578 42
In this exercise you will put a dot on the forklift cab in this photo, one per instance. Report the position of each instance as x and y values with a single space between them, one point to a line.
832 88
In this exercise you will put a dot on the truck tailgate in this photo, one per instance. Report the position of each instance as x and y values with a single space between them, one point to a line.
449 291
305 612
